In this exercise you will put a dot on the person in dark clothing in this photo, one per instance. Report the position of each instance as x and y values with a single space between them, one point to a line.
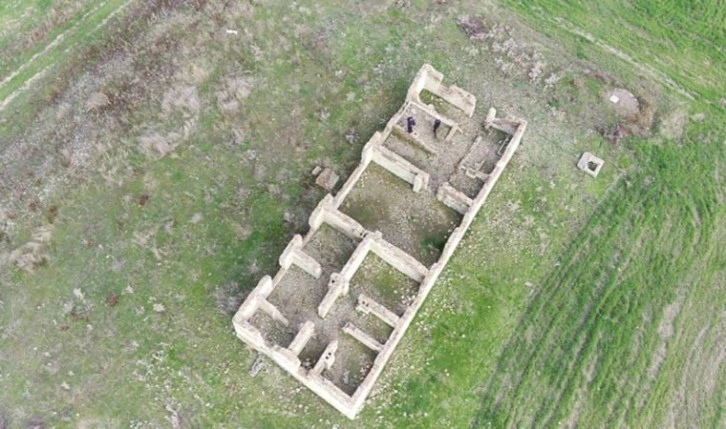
437 124
410 123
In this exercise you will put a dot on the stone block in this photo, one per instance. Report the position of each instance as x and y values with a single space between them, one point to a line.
327 179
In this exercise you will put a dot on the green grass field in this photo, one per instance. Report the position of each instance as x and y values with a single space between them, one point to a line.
572 302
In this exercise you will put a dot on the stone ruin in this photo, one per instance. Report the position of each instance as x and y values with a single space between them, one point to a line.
347 291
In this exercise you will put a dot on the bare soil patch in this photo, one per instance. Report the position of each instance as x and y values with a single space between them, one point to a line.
408 220
623 101
673 124
331 248
384 284
352 363
273 331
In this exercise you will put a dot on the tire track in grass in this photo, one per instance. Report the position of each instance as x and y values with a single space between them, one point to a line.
58 39
588 340
679 47
583 338
540 313
39 64
653 237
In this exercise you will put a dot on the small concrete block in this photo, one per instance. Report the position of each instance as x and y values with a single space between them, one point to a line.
590 164
327 179
614 99
317 170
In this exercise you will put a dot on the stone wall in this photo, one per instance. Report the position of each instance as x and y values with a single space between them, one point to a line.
338 284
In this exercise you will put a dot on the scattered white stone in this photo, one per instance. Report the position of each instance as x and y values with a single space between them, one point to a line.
129 290
288 217
65 386
351 136
79 294
699 117
346 377
324 115
257 366
614 99
159 308
235 32
97 100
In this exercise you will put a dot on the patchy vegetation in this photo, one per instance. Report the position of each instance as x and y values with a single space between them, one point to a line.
156 157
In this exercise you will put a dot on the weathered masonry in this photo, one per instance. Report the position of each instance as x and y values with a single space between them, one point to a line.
347 291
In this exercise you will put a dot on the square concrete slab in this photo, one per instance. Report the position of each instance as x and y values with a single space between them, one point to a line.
590 164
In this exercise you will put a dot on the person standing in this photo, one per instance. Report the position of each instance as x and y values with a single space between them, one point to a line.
410 123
